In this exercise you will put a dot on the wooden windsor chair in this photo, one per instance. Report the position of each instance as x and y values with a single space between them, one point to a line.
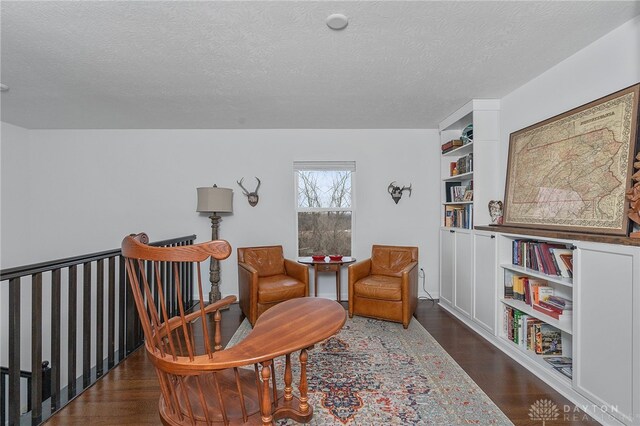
201 383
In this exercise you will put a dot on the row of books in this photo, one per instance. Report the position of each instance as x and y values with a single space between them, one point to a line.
531 333
541 297
551 259
458 216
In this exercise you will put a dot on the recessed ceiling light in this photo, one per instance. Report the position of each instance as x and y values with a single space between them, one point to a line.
4 88
337 21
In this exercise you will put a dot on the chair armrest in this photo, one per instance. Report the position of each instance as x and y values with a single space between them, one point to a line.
247 267
247 288
359 270
411 268
297 270
176 321
410 279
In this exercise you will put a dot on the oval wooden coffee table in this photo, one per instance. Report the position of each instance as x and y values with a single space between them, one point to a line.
290 326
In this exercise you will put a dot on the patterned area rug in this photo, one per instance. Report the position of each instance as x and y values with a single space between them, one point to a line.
376 373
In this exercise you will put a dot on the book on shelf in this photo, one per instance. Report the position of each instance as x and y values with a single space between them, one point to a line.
534 289
465 164
457 193
543 293
555 308
548 339
560 302
559 361
566 370
558 254
566 314
508 289
450 145
517 283
567 259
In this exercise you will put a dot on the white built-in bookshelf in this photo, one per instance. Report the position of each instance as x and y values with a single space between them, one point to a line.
537 331
602 335
471 168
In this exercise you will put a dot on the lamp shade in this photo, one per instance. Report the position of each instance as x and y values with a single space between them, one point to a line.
214 199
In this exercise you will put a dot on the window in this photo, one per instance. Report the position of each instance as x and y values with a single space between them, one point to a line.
324 207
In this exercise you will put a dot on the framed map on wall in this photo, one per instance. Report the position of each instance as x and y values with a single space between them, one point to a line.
571 172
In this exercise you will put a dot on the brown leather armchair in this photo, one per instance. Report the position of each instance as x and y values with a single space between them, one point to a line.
266 278
385 286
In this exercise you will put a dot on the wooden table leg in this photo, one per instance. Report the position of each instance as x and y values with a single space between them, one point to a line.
315 278
304 404
265 403
288 378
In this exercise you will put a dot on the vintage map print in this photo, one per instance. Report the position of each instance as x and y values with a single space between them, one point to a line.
571 172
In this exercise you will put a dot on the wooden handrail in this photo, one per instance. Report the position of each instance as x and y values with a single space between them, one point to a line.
21 271
97 282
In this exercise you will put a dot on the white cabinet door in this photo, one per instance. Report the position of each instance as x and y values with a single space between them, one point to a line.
463 294
484 289
447 265
606 328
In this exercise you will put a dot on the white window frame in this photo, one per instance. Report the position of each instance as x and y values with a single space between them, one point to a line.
324 166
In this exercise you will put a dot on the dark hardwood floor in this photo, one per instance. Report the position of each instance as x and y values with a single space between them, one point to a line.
129 394
509 385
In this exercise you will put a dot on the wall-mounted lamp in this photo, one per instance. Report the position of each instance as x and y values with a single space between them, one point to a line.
215 200
396 191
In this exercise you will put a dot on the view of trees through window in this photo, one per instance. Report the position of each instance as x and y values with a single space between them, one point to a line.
324 212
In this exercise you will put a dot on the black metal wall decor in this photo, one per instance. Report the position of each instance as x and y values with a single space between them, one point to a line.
396 191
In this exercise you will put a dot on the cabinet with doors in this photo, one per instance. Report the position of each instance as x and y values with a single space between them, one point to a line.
456 269
485 251
607 329
590 349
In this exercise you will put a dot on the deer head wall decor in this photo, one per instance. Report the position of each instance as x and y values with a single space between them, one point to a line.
251 196
396 191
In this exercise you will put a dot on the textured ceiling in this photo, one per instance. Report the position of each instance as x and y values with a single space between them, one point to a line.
274 64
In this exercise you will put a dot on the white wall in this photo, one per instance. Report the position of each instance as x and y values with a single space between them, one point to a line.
15 188
609 64
83 190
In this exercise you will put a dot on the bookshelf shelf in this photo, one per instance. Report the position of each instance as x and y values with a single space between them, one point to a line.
457 202
463 176
567 282
564 325
464 149
539 359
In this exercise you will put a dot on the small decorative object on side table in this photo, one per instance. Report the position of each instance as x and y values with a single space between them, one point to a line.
331 263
